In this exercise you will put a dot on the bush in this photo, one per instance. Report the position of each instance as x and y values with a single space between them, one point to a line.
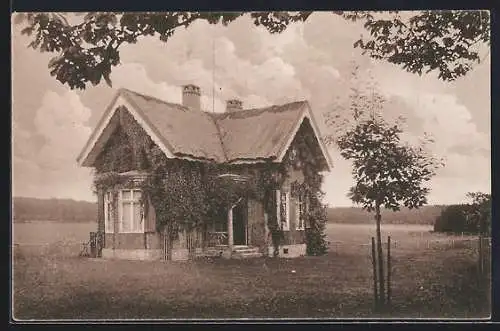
316 243
453 219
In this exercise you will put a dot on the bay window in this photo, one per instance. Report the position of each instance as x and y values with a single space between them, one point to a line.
130 212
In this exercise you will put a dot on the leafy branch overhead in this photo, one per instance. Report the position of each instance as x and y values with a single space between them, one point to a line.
86 52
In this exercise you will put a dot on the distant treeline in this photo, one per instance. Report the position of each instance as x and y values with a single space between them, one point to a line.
67 210
423 215
61 210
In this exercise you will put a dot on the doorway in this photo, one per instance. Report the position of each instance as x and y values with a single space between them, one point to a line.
240 223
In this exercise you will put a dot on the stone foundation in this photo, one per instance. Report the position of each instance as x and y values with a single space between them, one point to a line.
143 254
289 251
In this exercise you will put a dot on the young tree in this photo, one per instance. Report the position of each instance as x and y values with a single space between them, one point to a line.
387 171
444 41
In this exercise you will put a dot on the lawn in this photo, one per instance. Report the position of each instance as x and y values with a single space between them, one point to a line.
429 280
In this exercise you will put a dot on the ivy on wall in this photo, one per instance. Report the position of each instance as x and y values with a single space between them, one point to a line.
305 155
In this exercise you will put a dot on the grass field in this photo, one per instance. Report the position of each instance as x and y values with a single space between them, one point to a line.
433 276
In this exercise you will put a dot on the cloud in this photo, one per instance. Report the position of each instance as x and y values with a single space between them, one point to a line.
133 76
52 171
61 119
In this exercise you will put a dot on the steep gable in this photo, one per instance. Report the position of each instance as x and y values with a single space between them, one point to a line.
244 136
257 134
125 149
188 132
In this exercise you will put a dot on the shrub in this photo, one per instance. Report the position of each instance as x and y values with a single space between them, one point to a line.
453 219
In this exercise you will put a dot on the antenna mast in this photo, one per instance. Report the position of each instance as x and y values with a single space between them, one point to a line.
213 73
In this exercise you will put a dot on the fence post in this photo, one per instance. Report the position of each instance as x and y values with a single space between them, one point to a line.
388 271
93 244
480 255
375 283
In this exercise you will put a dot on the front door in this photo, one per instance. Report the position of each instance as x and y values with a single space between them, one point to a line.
239 223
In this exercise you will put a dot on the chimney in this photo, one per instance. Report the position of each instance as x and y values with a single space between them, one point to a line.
191 97
233 105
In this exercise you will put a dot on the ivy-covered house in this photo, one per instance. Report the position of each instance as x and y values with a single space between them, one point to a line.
159 169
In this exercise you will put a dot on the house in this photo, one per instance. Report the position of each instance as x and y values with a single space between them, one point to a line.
239 140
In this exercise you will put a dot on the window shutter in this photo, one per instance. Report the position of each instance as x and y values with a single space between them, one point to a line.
287 212
306 211
297 213
278 207
150 216
120 211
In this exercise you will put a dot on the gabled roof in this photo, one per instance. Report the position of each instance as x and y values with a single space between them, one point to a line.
244 136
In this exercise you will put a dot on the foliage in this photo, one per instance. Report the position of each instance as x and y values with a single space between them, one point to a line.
387 172
60 210
309 162
467 218
176 190
425 215
480 211
445 41
111 181
87 51
453 220
316 239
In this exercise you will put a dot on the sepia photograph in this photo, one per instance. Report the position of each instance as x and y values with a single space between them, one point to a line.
205 166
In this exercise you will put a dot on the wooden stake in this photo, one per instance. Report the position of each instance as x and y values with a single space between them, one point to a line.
230 237
480 254
388 271
375 282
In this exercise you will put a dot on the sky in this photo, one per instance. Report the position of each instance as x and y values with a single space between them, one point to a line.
311 61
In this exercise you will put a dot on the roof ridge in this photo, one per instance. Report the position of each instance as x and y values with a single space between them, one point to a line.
250 112
153 98
219 135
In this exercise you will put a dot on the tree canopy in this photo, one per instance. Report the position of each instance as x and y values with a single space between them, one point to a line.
442 41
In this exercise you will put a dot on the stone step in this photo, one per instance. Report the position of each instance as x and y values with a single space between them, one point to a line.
237 255
239 252
247 250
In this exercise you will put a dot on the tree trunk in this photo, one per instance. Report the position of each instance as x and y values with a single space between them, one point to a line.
168 242
230 233
380 257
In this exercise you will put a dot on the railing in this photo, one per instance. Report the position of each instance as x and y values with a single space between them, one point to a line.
216 238
93 248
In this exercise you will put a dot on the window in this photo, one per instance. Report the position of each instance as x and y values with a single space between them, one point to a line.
300 211
131 215
108 213
283 209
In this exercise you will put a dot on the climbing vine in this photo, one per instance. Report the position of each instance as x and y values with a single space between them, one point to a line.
308 161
